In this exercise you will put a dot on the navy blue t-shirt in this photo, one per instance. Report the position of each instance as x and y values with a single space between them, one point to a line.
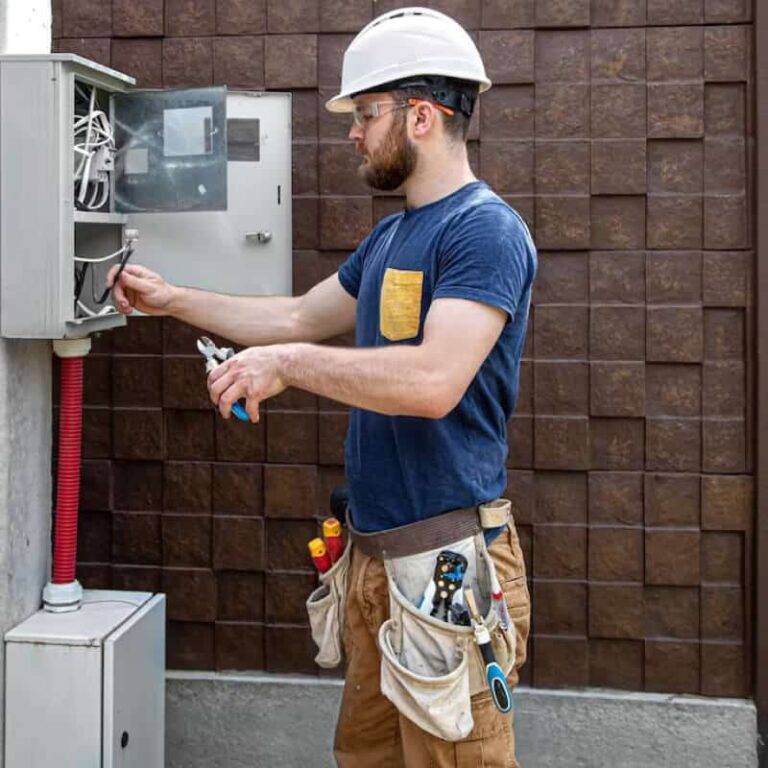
468 245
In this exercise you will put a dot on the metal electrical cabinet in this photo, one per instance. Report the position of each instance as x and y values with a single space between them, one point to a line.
87 689
203 175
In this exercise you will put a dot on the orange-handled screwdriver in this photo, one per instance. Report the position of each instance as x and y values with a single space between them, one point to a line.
333 538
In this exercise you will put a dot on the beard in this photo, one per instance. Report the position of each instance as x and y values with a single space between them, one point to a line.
392 163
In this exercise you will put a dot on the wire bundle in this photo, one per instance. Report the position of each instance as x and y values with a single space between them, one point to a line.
94 153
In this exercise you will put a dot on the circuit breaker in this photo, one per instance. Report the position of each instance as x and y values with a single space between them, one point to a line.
86 689
93 173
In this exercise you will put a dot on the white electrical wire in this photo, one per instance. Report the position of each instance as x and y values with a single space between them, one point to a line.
94 146
102 258
106 310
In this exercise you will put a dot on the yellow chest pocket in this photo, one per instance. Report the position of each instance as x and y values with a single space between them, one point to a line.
400 304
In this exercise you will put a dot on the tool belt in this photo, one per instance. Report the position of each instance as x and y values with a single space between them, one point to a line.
434 532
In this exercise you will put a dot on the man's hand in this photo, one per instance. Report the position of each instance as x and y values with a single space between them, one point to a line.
253 374
140 288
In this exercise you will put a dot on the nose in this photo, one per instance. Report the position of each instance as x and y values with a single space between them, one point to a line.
356 132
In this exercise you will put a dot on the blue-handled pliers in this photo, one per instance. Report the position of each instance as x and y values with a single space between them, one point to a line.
215 356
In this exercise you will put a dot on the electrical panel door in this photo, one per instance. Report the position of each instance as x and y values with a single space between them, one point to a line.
246 249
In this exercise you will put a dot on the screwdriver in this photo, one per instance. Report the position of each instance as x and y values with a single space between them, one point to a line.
497 682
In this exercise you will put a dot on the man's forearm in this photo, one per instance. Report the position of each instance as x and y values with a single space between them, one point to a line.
394 380
246 320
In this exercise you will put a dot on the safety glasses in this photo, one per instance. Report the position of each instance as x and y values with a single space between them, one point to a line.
363 114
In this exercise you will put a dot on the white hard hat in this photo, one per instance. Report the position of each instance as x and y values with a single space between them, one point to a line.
403 43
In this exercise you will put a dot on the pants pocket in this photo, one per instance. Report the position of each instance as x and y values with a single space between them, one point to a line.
325 608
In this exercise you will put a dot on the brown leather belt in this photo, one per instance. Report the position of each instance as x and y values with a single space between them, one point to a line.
411 539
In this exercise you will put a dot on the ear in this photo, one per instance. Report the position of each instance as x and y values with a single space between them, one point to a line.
424 119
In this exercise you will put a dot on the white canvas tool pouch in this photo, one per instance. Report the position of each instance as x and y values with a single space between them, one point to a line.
429 668
325 607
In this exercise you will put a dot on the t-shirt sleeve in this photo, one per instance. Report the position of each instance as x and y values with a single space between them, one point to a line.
351 271
488 257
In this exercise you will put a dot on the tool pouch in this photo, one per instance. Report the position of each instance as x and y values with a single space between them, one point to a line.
325 607
429 668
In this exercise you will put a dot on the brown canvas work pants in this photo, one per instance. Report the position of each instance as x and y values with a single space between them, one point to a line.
370 732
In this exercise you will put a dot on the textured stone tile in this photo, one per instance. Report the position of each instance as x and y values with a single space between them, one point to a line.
561 607
506 112
352 16
673 445
671 667
675 165
137 578
563 222
138 434
237 441
96 49
290 491
520 442
723 334
672 612
724 445
142 59
673 390
186 540
724 109
290 61
189 434
615 611
239 646
618 167
187 487
286 17
508 166
674 222
190 18
136 538
238 62
187 62
675 53
292 438
672 500
727 502
508 55
238 543
618 13
725 169
561 443
726 53
190 594
562 13
725 11
618 110
559 661
96 485
561 497
241 17
86 18
617 333
506 14
562 110
672 558
561 56
679 12
287 544
238 489
562 167
675 334
137 18
184 383
675 110
673 277
94 537
138 485
616 664
560 552
560 332
344 221
337 170
618 54
618 223
723 393
240 596
722 557
290 649
722 670
616 444
562 278
561 388
190 646
722 613
332 430
726 222
617 389
616 278
520 491
616 554
616 497
285 595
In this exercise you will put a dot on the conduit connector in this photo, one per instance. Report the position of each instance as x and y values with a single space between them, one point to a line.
64 592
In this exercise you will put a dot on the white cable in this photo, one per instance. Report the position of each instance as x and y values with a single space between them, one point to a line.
93 133
106 310
102 258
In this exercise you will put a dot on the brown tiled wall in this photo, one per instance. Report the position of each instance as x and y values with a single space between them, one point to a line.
621 129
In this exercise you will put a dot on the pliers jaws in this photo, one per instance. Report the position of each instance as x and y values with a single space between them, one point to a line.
215 356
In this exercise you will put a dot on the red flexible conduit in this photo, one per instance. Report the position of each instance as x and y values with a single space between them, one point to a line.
68 481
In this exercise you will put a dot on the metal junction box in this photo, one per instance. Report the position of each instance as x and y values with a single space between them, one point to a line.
87 689
209 192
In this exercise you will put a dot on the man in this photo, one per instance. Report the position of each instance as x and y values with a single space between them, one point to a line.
439 297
